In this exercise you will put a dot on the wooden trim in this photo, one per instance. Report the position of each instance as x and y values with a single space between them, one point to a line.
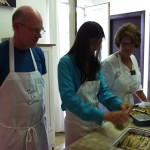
46 45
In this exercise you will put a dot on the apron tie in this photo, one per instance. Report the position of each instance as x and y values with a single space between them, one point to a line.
30 131
29 137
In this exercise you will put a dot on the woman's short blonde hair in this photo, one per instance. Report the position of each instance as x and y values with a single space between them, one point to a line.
130 30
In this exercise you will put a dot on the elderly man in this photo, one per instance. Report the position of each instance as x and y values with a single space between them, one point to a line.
22 64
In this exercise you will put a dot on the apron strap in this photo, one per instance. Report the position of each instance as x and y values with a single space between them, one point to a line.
35 65
11 55
120 63
29 137
30 131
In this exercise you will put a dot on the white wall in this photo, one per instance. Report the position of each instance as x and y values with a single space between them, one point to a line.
6 17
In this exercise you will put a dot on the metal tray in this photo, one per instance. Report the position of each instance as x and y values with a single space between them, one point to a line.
117 144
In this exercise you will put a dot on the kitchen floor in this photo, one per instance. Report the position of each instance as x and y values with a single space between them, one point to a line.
60 140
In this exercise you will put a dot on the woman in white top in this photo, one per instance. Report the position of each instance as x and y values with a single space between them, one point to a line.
121 69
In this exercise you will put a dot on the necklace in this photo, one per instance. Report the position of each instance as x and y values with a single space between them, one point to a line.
133 72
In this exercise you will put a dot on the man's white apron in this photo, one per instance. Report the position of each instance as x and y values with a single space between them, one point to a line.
22 120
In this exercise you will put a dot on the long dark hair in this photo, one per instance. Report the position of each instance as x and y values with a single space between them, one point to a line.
81 49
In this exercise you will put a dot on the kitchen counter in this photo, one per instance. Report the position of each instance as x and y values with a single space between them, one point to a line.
101 138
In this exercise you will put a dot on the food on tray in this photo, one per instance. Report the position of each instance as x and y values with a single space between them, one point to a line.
139 110
141 114
134 141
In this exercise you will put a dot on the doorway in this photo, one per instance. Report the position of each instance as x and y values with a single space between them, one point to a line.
137 18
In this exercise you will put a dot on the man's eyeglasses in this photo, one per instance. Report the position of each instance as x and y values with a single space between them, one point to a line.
35 31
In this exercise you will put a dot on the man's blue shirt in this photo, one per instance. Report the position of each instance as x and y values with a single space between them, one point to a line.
23 60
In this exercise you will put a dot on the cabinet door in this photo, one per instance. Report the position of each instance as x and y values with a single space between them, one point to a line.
49 101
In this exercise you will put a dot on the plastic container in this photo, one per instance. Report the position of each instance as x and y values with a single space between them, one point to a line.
141 119
141 114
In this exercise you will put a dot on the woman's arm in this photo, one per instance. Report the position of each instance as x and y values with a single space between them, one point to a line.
70 100
140 94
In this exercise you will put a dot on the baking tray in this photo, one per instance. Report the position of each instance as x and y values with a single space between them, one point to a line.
131 145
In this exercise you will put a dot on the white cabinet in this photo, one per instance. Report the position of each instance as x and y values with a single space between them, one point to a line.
49 100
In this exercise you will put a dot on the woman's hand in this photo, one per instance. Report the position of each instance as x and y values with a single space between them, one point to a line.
119 118
126 107
116 117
